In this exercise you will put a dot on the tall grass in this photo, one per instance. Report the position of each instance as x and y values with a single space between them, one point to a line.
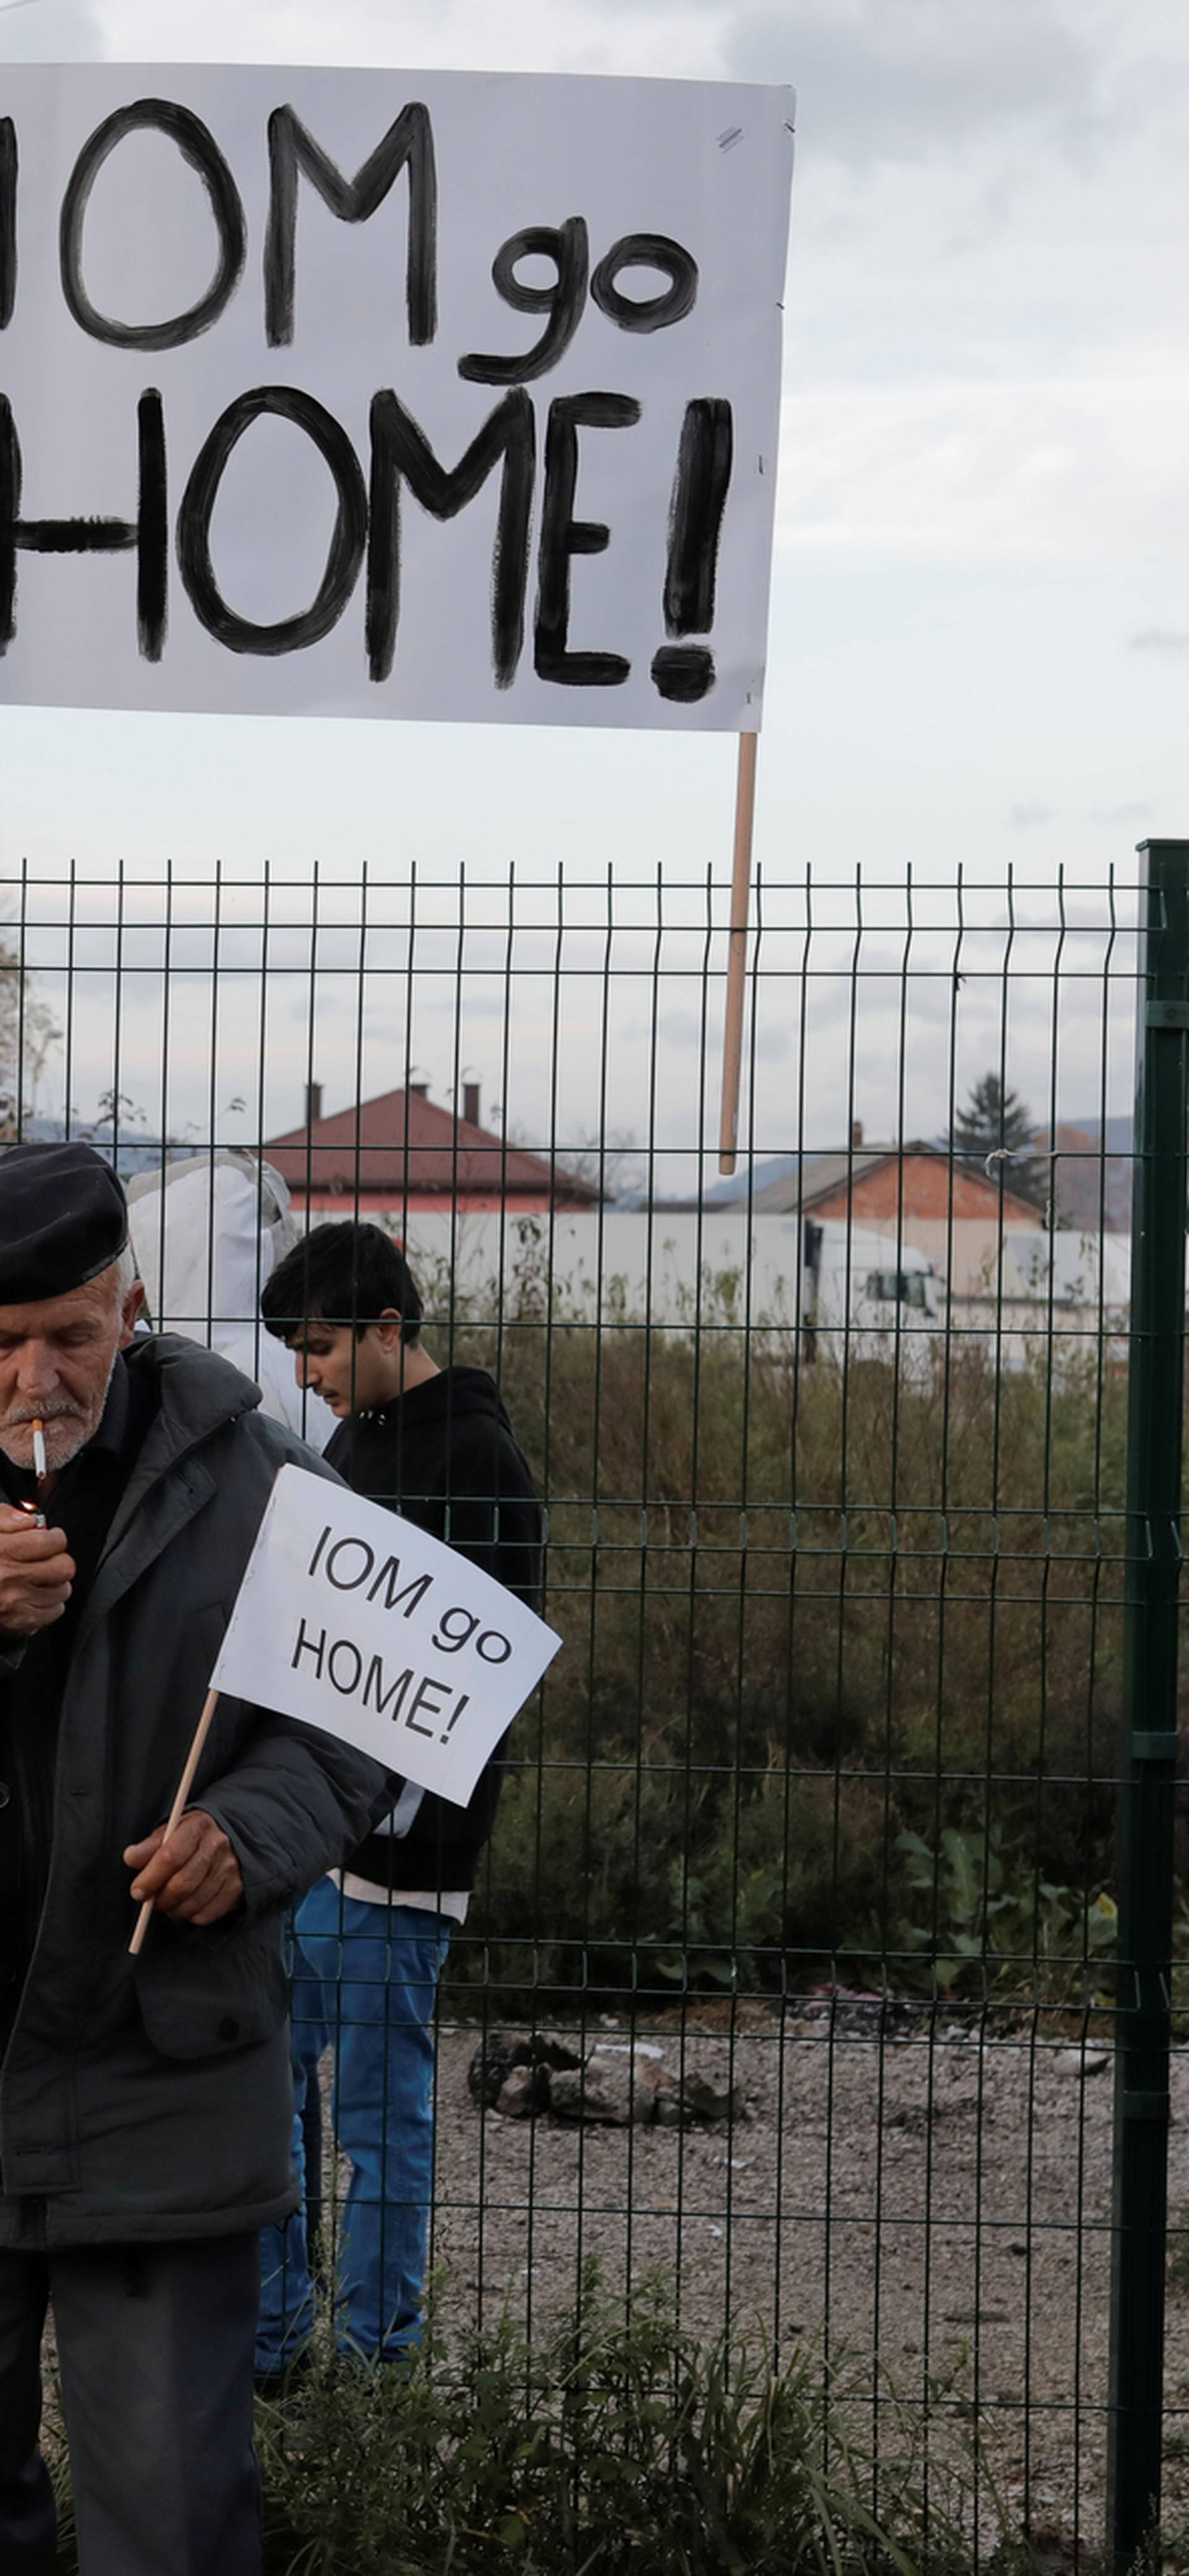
816 1618
619 2446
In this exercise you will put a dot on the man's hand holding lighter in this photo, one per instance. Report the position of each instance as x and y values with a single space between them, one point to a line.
36 1572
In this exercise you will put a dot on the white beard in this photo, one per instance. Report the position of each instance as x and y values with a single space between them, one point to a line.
65 1433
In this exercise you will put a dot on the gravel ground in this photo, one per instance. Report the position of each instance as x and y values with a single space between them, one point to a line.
965 2177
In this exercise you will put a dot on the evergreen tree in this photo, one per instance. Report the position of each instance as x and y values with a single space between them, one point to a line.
995 1121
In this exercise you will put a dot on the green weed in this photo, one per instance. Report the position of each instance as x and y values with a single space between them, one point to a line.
816 1621
618 2446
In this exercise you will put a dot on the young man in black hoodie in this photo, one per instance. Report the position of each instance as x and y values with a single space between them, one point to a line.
435 1445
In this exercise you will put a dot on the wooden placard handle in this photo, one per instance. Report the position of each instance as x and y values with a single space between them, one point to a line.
185 1785
732 1045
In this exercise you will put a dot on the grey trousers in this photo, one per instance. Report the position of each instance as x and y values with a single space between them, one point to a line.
155 2358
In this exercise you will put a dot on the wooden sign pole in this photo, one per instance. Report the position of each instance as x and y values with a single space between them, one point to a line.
732 1061
185 1785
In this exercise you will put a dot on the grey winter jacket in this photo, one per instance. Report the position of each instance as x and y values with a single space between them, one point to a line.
151 2098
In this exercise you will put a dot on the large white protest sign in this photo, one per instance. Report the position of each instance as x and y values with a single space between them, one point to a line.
354 1620
387 394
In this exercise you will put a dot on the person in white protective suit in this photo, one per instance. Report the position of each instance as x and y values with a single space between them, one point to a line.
208 1230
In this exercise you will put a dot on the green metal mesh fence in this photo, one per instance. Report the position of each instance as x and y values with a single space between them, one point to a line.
806 1855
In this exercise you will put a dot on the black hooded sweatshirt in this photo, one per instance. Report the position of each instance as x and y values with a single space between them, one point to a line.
443 1455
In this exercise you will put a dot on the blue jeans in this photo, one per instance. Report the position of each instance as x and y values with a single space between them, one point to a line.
365 1979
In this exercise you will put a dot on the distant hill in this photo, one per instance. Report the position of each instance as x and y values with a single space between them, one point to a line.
1116 1131
1092 1172
132 1154
756 1177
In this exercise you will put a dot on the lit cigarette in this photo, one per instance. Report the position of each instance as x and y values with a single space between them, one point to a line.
39 1449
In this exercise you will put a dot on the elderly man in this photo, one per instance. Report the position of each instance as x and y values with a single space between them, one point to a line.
145 2104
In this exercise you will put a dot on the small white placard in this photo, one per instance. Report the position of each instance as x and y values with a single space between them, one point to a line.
355 1621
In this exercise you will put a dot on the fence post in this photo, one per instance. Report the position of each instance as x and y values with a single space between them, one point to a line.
1154 1460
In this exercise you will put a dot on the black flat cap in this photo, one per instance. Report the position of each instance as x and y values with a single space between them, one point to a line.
63 1219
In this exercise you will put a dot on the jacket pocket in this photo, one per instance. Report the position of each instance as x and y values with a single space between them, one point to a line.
202 1993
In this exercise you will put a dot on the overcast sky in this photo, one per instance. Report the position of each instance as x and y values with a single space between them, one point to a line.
980 623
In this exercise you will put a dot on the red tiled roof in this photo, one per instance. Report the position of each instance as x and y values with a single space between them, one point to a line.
404 1142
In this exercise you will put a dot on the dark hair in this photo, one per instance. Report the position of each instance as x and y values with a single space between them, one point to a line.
341 1274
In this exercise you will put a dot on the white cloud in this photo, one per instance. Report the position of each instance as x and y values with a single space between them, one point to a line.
1044 473
889 79
34 31
1160 639
523 35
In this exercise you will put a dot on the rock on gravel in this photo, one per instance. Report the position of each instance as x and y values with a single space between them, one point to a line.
501 2051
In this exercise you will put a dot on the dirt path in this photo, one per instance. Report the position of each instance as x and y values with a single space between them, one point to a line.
967 2183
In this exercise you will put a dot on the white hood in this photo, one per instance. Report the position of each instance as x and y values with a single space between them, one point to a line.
207 1232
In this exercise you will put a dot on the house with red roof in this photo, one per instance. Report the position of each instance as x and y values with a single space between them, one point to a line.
402 1152
953 1211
